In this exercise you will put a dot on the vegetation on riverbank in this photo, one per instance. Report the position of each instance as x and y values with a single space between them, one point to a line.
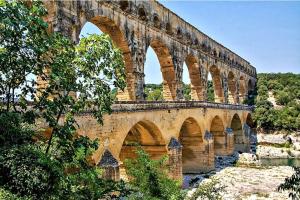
284 113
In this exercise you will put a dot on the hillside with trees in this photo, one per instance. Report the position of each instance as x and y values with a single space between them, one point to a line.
284 113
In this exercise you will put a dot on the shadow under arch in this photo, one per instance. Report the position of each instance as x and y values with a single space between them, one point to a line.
231 88
251 86
239 138
242 89
167 69
250 122
193 151
108 26
217 129
195 77
217 83
249 129
146 135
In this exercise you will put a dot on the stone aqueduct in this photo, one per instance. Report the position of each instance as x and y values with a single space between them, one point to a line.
191 133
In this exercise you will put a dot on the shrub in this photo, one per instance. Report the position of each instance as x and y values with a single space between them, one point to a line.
209 190
26 171
150 178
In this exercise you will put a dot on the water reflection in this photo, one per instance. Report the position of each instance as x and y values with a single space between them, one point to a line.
294 162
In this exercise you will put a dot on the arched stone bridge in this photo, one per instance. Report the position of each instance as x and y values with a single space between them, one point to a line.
199 131
190 132
134 26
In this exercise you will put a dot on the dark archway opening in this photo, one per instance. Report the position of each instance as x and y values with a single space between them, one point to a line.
193 151
217 129
146 135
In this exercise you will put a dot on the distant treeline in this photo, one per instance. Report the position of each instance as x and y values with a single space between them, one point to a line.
154 92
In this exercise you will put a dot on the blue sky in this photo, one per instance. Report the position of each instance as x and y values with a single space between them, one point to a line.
267 34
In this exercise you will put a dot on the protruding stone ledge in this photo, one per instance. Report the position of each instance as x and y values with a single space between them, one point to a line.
175 159
229 131
246 130
134 106
229 141
174 144
208 135
110 166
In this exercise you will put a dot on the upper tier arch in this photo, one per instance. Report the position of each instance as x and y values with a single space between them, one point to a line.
134 25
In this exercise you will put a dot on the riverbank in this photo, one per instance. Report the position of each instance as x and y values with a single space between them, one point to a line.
278 145
259 183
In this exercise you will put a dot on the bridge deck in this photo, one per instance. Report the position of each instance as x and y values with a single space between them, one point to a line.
135 106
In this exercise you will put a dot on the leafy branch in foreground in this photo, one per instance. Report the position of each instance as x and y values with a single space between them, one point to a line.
292 184
77 78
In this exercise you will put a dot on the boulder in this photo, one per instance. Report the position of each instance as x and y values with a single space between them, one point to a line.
248 159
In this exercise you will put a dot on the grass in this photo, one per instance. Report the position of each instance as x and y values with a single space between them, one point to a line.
277 145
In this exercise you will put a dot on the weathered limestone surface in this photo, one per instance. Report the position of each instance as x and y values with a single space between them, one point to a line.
278 145
193 128
248 159
134 26
244 183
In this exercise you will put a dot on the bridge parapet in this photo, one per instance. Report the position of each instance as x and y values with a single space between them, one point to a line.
134 106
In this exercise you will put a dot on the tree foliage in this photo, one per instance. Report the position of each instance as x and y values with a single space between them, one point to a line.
292 184
24 42
286 90
78 77
210 91
150 178
153 92
209 190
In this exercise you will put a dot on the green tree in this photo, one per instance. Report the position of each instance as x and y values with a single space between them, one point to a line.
210 91
187 91
155 95
210 190
282 98
264 114
24 42
56 167
150 179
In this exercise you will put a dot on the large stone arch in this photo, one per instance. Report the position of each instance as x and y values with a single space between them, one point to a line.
232 88
118 36
249 121
195 77
146 135
217 83
191 138
239 138
167 68
217 129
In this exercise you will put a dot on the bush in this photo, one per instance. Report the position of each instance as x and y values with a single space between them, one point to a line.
7 195
13 131
26 171
210 190
150 178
